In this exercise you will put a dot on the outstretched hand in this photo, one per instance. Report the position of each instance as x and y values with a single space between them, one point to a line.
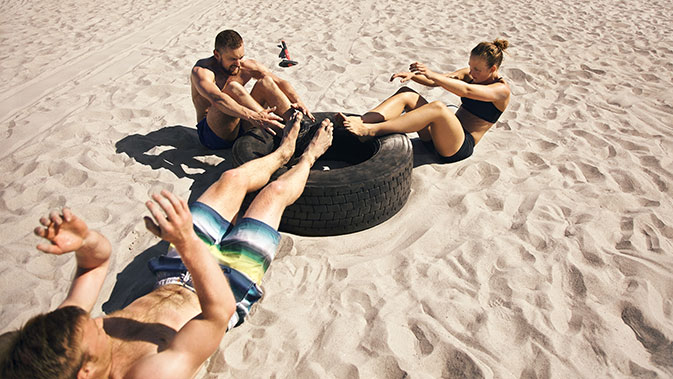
172 220
404 76
419 68
65 232
303 109
268 120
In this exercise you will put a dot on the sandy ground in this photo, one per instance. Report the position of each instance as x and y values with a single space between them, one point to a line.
547 254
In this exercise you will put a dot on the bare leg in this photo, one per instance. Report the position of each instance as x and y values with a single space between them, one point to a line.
404 100
223 125
267 93
264 93
271 202
443 126
226 195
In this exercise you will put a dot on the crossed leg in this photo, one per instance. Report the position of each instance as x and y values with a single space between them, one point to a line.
406 112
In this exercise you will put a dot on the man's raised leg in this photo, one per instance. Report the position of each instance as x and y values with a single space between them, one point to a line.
267 92
226 195
271 202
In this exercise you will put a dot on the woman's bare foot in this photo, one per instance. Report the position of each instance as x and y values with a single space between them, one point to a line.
290 134
321 141
355 125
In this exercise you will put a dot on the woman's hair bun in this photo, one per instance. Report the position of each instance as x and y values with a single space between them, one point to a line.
501 44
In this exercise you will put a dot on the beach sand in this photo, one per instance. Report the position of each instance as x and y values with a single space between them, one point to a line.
547 254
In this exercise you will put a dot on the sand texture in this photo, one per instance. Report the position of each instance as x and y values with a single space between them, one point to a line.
547 254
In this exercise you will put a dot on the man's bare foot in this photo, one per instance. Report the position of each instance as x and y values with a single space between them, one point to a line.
321 141
355 125
290 134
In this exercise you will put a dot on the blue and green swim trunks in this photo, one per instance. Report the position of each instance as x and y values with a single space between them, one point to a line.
244 252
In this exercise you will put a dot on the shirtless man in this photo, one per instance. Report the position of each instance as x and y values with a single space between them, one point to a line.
171 331
224 108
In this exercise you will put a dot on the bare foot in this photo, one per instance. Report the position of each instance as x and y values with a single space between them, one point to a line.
355 125
321 141
290 134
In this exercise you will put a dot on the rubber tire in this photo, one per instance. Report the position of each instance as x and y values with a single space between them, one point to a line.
341 200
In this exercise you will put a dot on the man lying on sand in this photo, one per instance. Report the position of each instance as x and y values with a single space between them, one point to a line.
224 108
171 331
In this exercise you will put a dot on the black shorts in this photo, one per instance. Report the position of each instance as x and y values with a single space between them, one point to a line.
465 150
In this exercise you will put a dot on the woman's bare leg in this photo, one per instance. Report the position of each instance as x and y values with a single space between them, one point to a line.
404 100
435 118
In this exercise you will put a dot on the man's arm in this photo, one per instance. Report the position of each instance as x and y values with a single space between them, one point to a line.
204 82
201 336
67 233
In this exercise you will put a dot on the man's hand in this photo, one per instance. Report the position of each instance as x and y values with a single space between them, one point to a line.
64 230
303 109
67 233
174 224
267 120
404 76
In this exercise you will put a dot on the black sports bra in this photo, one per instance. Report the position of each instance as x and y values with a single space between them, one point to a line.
485 110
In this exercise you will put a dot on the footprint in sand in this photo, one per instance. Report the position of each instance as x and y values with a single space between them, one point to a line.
535 161
576 282
624 180
461 365
591 172
67 175
425 347
500 308
653 340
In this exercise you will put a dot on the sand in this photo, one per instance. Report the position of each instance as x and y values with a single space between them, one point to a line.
547 254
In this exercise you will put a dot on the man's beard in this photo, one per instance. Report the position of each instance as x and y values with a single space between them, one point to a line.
233 70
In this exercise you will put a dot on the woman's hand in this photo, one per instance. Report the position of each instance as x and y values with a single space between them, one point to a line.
404 76
419 68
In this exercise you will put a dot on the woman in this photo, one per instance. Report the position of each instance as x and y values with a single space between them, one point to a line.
484 96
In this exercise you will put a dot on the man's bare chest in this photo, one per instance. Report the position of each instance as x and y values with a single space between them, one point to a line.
150 323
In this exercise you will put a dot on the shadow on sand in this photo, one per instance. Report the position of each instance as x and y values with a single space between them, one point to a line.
135 280
177 149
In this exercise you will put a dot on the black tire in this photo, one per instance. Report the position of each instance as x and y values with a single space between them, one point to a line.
365 185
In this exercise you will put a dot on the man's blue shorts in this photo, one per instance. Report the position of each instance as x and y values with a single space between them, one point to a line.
209 139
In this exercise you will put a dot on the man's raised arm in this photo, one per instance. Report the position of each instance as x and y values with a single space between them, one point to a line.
67 233
201 336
